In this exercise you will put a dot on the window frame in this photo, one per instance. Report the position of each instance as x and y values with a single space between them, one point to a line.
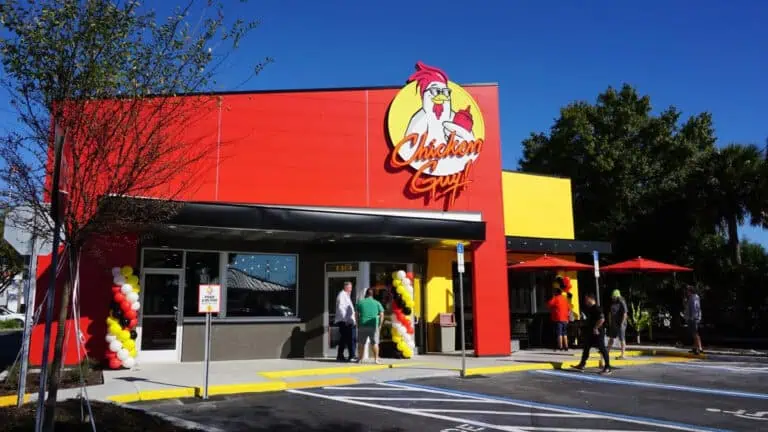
223 260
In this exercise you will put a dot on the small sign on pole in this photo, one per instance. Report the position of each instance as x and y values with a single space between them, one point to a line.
208 302
460 266
596 265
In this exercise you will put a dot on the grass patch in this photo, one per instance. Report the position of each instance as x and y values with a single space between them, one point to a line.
11 325
108 417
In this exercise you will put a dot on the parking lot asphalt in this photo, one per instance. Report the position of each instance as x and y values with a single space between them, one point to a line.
696 396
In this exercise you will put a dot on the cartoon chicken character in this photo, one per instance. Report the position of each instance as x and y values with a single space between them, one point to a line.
438 121
436 116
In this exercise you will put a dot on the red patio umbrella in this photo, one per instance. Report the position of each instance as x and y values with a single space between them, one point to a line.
549 263
642 265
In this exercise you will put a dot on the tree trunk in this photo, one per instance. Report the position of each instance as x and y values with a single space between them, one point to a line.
733 239
638 338
58 348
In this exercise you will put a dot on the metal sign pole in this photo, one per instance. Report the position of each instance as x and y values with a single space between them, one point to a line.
29 303
55 211
207 354
460 268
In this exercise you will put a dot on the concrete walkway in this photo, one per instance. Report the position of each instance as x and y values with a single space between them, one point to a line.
180 380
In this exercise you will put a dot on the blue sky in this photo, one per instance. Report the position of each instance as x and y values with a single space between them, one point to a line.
701 55
697 55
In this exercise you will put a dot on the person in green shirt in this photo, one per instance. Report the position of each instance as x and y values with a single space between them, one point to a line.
370 313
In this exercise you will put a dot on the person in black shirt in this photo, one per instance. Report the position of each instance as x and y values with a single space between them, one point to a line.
594 334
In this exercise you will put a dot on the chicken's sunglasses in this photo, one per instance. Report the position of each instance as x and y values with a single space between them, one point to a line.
434 91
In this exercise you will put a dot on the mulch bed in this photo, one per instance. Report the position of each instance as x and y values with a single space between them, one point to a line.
70 378
108 417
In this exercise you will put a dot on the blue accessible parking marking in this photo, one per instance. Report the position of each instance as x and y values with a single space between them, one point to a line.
627 382
463 411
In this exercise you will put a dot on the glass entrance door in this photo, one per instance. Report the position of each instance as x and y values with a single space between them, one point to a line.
334 282
160 327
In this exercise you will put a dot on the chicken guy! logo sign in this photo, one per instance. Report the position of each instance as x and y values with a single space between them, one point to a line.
436 129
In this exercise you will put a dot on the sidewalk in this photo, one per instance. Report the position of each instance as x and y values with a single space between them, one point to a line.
184 380
714 353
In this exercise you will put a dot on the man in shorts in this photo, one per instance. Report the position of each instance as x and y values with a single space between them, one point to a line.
559 310
617 325
370 313
693 318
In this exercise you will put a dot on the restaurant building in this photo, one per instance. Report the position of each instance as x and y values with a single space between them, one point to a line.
317 187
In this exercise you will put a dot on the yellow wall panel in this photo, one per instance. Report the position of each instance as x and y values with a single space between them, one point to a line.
537 206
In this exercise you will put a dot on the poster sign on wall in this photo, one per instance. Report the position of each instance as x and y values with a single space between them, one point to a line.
437 131
209 299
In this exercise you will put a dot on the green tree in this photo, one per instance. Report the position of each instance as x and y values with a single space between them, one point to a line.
629 169
733 191
108 74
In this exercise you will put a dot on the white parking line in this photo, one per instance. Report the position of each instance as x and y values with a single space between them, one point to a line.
468 416
730 368
379 388
411 412
508 413
544 407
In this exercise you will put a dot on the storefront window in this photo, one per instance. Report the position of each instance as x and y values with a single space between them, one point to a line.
202 268
163 258
261 285
520 292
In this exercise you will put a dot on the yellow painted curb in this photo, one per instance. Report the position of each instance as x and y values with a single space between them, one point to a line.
493 370
673 353
150 395
226 389
321 383
616 352
632 362
337 370
10 400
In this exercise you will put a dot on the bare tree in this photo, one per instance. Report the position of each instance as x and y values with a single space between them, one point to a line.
122 88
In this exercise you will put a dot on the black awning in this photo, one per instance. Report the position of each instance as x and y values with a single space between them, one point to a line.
260 217
556 246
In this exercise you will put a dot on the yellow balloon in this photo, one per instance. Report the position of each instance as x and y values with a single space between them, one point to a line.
132 352
132 280
129 344
136 290
126 271
111 320
115 330
124 335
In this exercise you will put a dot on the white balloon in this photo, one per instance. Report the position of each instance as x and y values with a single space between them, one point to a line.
123 354
115 272
126 288
135 306
401 275
110 338
119 280
115 346
129 362
132 297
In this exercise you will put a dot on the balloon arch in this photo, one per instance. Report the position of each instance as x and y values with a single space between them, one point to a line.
123 318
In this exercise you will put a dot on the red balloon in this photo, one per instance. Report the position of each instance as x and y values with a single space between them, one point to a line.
125 305
115 289
130 314
134 322
111 354
119 297
115 363
409 275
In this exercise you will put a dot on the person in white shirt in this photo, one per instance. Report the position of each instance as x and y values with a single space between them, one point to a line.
345 320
